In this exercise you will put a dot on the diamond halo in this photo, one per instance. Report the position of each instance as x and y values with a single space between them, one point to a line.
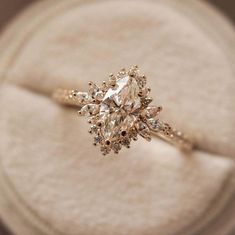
119 110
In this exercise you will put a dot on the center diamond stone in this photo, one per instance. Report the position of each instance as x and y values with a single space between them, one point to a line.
117 110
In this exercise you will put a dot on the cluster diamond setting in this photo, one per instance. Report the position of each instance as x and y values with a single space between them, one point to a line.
119 110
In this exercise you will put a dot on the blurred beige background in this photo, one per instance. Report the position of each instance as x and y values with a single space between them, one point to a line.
9 9
227 6
12 7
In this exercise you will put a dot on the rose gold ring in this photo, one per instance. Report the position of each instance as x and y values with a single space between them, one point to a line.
119 110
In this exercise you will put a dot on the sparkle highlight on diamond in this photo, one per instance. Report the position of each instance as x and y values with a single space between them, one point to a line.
119 110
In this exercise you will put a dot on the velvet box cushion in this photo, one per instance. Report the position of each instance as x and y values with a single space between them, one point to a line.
46 151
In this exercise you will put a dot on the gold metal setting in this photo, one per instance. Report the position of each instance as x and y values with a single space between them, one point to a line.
119 111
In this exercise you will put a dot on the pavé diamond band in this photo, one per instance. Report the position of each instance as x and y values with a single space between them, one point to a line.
119 110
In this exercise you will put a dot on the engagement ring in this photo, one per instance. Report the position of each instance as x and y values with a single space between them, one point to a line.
119 111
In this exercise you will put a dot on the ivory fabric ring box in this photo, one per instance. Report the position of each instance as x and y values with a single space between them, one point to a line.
53 181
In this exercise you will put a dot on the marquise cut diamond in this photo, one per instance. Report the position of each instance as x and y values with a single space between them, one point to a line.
118 106
123 96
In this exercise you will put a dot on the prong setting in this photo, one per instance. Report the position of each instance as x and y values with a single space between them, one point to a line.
118 110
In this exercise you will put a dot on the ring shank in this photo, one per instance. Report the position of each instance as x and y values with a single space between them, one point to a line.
175 138
165 131
66 97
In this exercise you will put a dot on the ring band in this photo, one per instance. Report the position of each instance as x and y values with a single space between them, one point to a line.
119 110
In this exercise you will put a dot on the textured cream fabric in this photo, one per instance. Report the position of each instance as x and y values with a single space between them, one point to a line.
151 188
76 190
